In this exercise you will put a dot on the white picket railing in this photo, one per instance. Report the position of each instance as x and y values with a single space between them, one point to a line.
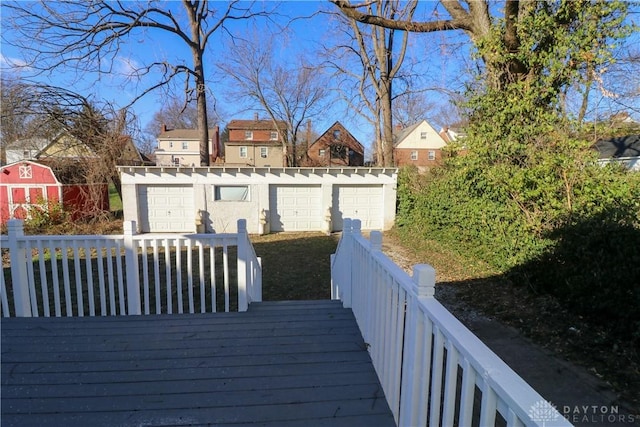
433 370
128 274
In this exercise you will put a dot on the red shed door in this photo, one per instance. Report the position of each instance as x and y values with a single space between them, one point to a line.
23 197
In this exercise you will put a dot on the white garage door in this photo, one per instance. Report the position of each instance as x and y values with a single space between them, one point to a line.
363 202
295 207
166 209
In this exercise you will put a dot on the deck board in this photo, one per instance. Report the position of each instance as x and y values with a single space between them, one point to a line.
285 363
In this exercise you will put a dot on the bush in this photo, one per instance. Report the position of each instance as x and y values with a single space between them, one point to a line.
45 215
594 269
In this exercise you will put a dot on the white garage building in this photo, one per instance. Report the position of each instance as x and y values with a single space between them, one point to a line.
169 199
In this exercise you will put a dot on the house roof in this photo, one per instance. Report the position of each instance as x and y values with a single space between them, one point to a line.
405 132
66 146
622 146
346 141
183 134
434 139
255 124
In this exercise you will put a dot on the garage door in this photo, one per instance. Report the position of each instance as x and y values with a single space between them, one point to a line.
166 209
295 207
363 202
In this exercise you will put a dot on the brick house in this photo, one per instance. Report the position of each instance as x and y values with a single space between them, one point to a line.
181 147
336 147
419 145
255 143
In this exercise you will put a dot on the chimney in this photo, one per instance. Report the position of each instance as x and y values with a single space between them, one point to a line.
255 116
308 131
163 128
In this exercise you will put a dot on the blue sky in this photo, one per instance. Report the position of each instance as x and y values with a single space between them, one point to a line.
304 36
442 62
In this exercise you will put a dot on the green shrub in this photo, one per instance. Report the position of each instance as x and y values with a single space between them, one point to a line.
594 269
44 215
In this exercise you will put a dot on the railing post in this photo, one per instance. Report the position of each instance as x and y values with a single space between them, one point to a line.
243 278
424 279
19 278
375 240
256 292
131 265
345 284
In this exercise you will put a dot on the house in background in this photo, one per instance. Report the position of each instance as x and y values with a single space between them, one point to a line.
420 145
255 143
23 149
181 147
336 147
622 149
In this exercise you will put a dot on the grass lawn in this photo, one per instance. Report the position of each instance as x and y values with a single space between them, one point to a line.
115 203
295 265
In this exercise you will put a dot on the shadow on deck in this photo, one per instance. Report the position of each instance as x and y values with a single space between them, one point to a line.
281 363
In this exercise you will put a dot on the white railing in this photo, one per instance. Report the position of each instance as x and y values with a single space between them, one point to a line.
433 370
75 275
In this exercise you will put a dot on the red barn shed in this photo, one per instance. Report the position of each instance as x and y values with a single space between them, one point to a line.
27 183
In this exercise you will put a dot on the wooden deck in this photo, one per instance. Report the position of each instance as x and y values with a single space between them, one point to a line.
280 364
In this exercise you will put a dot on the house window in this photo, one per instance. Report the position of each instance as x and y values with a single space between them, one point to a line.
273 136
185 145
336 134
170 144
243 152
175 160
432 155
263 152
321 153
248 135
231 193
423 135
414 155
338 151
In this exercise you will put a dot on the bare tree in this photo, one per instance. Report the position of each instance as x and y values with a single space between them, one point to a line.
379 59
499 38
88 36
176 114
292 93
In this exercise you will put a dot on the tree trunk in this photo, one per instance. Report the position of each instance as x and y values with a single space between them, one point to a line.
387 124
197 50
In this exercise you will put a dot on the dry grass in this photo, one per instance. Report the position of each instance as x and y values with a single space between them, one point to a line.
295 266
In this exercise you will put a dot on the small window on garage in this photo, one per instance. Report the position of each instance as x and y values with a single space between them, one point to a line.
232 193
